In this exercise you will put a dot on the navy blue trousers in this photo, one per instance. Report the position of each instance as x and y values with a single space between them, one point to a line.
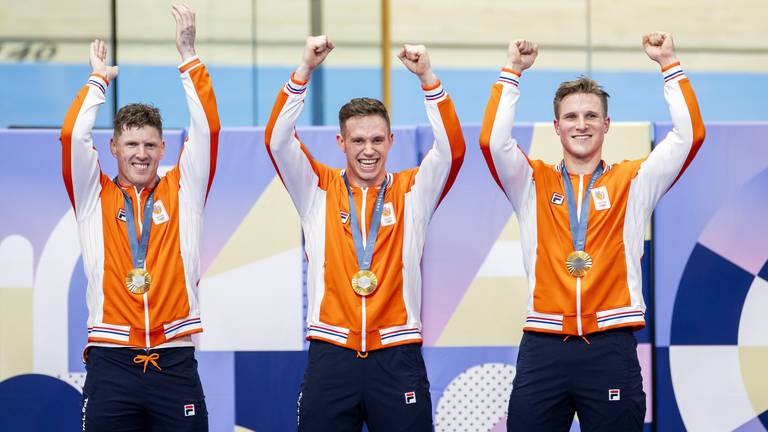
599 380
388 390
119 396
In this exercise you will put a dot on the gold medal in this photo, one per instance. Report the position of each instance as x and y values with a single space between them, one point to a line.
138 281
364 282
578 263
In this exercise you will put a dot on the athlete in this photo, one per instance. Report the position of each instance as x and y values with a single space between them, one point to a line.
364 231
582 231
140 236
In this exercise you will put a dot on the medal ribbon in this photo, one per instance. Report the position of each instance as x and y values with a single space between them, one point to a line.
579 225
365 254
138 247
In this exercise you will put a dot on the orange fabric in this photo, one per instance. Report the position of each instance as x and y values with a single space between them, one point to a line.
431 87
485 131
670 66
698 124
518 73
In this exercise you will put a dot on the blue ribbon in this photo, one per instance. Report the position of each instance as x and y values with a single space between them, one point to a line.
138 247
579 225
365 254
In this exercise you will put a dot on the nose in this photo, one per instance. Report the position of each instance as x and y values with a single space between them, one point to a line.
581 123
142 151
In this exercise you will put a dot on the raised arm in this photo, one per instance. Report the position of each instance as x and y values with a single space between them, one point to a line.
79 160
298 171
442 162
508 164
674 153
197 162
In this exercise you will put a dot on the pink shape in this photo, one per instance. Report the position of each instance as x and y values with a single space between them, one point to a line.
501 426
644 356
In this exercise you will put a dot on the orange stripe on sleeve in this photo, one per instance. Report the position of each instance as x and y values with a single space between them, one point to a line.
204 87
66 142
697 124
485 131
455 139
670 66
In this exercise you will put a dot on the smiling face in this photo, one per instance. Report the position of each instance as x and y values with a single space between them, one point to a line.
138 151
365 140
581 124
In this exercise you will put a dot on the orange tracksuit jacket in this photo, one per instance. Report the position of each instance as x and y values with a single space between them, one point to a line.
610 295
170 308
336 314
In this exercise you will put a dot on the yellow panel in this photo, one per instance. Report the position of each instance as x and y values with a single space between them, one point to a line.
15 331
242 429
491 313
755 375
271 227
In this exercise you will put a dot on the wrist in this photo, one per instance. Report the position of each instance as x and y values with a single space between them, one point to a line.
303 72
515 66
187 54
665 62
428 79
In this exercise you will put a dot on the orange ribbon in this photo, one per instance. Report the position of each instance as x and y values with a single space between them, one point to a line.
146 359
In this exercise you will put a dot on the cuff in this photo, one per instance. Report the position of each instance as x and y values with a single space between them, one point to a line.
673 72
435 92
510 76
296 87
190 64
98 81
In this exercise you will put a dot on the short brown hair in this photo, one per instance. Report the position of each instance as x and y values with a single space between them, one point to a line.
581 85
361 107
137 115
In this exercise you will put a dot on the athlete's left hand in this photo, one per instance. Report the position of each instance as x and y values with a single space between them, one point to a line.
660 48
416 59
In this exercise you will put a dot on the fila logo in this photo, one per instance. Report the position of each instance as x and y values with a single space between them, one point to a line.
614 395
121 215
189 410
557 199
344 217
410 398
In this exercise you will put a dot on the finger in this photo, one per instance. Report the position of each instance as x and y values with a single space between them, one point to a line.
176 15
401 54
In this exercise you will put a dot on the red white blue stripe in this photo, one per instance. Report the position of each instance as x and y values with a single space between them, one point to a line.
673 73
113 332
328 332
175 328
98 83
399 334
293 88
620 316
509 78
544 321
435 95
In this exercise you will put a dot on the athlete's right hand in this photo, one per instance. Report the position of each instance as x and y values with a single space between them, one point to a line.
316 50
521 54
99 60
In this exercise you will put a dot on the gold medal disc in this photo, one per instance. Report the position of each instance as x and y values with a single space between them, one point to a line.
138 281
364 282
578 263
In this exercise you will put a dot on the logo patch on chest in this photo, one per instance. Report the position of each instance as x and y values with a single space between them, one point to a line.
159 215
557 199
600 198
121 215
388 215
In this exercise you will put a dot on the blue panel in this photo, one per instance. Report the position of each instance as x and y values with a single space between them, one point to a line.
267 389
644 335
77 317
39 403
708 280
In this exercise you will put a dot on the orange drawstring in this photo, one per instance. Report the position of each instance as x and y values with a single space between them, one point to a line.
583 337
362 355
146 359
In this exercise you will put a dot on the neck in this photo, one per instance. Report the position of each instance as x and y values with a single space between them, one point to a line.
127 184
355 181
586 165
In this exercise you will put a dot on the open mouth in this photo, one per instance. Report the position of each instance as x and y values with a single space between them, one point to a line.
367 163
581 137
140 166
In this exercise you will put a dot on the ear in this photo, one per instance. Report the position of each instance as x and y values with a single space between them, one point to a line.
340 143
162 149
113 146
554 123
607 124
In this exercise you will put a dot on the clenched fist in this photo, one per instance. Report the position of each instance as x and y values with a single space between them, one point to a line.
416 59
316 49
521 54
660 48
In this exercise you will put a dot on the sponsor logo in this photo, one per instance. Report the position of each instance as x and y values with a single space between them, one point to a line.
557 199
614 394
159 215
388 215
410 398
601 199
189 410
121 215
344 217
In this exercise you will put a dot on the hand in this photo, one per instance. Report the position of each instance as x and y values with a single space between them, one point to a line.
416 59
660 48
521 54
185 30
316 49
99 60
